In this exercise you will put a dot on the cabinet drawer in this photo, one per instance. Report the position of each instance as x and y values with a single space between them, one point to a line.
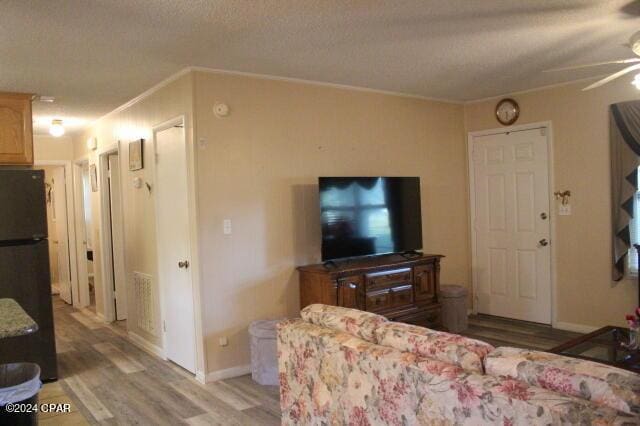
393 297
388 279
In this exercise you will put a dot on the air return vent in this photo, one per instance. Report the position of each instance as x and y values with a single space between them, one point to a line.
145 312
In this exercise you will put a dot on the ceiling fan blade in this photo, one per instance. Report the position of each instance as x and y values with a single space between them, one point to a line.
595 64
612 77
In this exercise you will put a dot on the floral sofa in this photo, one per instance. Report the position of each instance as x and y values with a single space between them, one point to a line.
341 366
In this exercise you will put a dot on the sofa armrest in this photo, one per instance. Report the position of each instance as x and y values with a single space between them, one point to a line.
599 383
353 321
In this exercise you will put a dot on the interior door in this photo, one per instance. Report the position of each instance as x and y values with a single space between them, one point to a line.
117 238
81 235
59 200
512 225
174 246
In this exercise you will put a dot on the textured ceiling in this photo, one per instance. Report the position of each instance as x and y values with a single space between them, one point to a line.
95 55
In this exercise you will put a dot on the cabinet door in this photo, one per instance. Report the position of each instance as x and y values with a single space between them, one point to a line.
16 139
351 292
425 279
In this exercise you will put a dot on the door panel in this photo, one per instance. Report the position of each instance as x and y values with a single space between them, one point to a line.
350 292
117 238
23 214
62 233
511 192
174 246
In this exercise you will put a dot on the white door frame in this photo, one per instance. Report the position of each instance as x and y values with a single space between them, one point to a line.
472 205
71 230
105 233
193 242
81 231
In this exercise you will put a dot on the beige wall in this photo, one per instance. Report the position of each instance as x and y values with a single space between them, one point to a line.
260 166
131 123
48 148
585 293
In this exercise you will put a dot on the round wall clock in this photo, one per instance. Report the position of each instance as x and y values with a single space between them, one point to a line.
507 111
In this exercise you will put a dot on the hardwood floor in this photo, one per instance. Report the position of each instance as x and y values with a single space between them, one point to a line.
110 381
520 334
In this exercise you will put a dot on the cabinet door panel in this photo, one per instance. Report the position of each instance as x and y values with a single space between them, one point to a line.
351 292
425 282
16 140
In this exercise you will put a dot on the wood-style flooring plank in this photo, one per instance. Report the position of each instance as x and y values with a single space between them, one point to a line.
216 408
124 362
91 402
86 321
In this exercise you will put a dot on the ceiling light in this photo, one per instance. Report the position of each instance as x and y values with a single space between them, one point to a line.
56 129
636 81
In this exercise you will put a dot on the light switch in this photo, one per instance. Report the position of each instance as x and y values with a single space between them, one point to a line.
226 226
223 341
564 209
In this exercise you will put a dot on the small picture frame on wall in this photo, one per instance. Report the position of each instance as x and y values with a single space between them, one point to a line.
93 177
136 159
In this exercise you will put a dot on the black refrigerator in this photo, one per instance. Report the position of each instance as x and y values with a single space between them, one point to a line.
24 267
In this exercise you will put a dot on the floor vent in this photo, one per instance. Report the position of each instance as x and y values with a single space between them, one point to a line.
145 312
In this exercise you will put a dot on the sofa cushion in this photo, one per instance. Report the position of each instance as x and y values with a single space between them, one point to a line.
602 384
455 349
359 323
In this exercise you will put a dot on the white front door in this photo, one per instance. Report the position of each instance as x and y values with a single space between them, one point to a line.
117 238
60 211
174 246
512 225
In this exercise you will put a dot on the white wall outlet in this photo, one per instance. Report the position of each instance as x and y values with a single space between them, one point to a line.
226 226
223 341
564 209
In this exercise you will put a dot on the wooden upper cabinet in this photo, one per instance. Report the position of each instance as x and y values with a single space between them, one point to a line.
16 129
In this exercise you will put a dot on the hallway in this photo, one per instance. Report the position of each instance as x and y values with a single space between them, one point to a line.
111 381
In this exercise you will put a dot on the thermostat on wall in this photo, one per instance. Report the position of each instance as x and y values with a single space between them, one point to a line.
221 110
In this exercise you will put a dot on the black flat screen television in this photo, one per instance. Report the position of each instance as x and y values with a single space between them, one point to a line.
364 216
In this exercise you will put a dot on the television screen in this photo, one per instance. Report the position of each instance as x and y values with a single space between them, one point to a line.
363 216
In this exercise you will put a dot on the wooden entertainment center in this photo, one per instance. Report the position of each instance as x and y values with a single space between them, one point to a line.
401 288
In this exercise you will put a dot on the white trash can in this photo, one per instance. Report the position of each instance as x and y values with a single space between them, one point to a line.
264 352
454 307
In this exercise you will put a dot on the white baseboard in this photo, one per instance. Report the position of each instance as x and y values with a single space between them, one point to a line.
227 373
578 328
145 345
201 377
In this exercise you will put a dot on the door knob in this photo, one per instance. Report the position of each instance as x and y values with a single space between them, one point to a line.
543 242
543 216
183 264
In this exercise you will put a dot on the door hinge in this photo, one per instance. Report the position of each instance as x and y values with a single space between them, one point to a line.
543 131
164 326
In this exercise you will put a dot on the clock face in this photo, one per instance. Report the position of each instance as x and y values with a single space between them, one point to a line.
507 111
